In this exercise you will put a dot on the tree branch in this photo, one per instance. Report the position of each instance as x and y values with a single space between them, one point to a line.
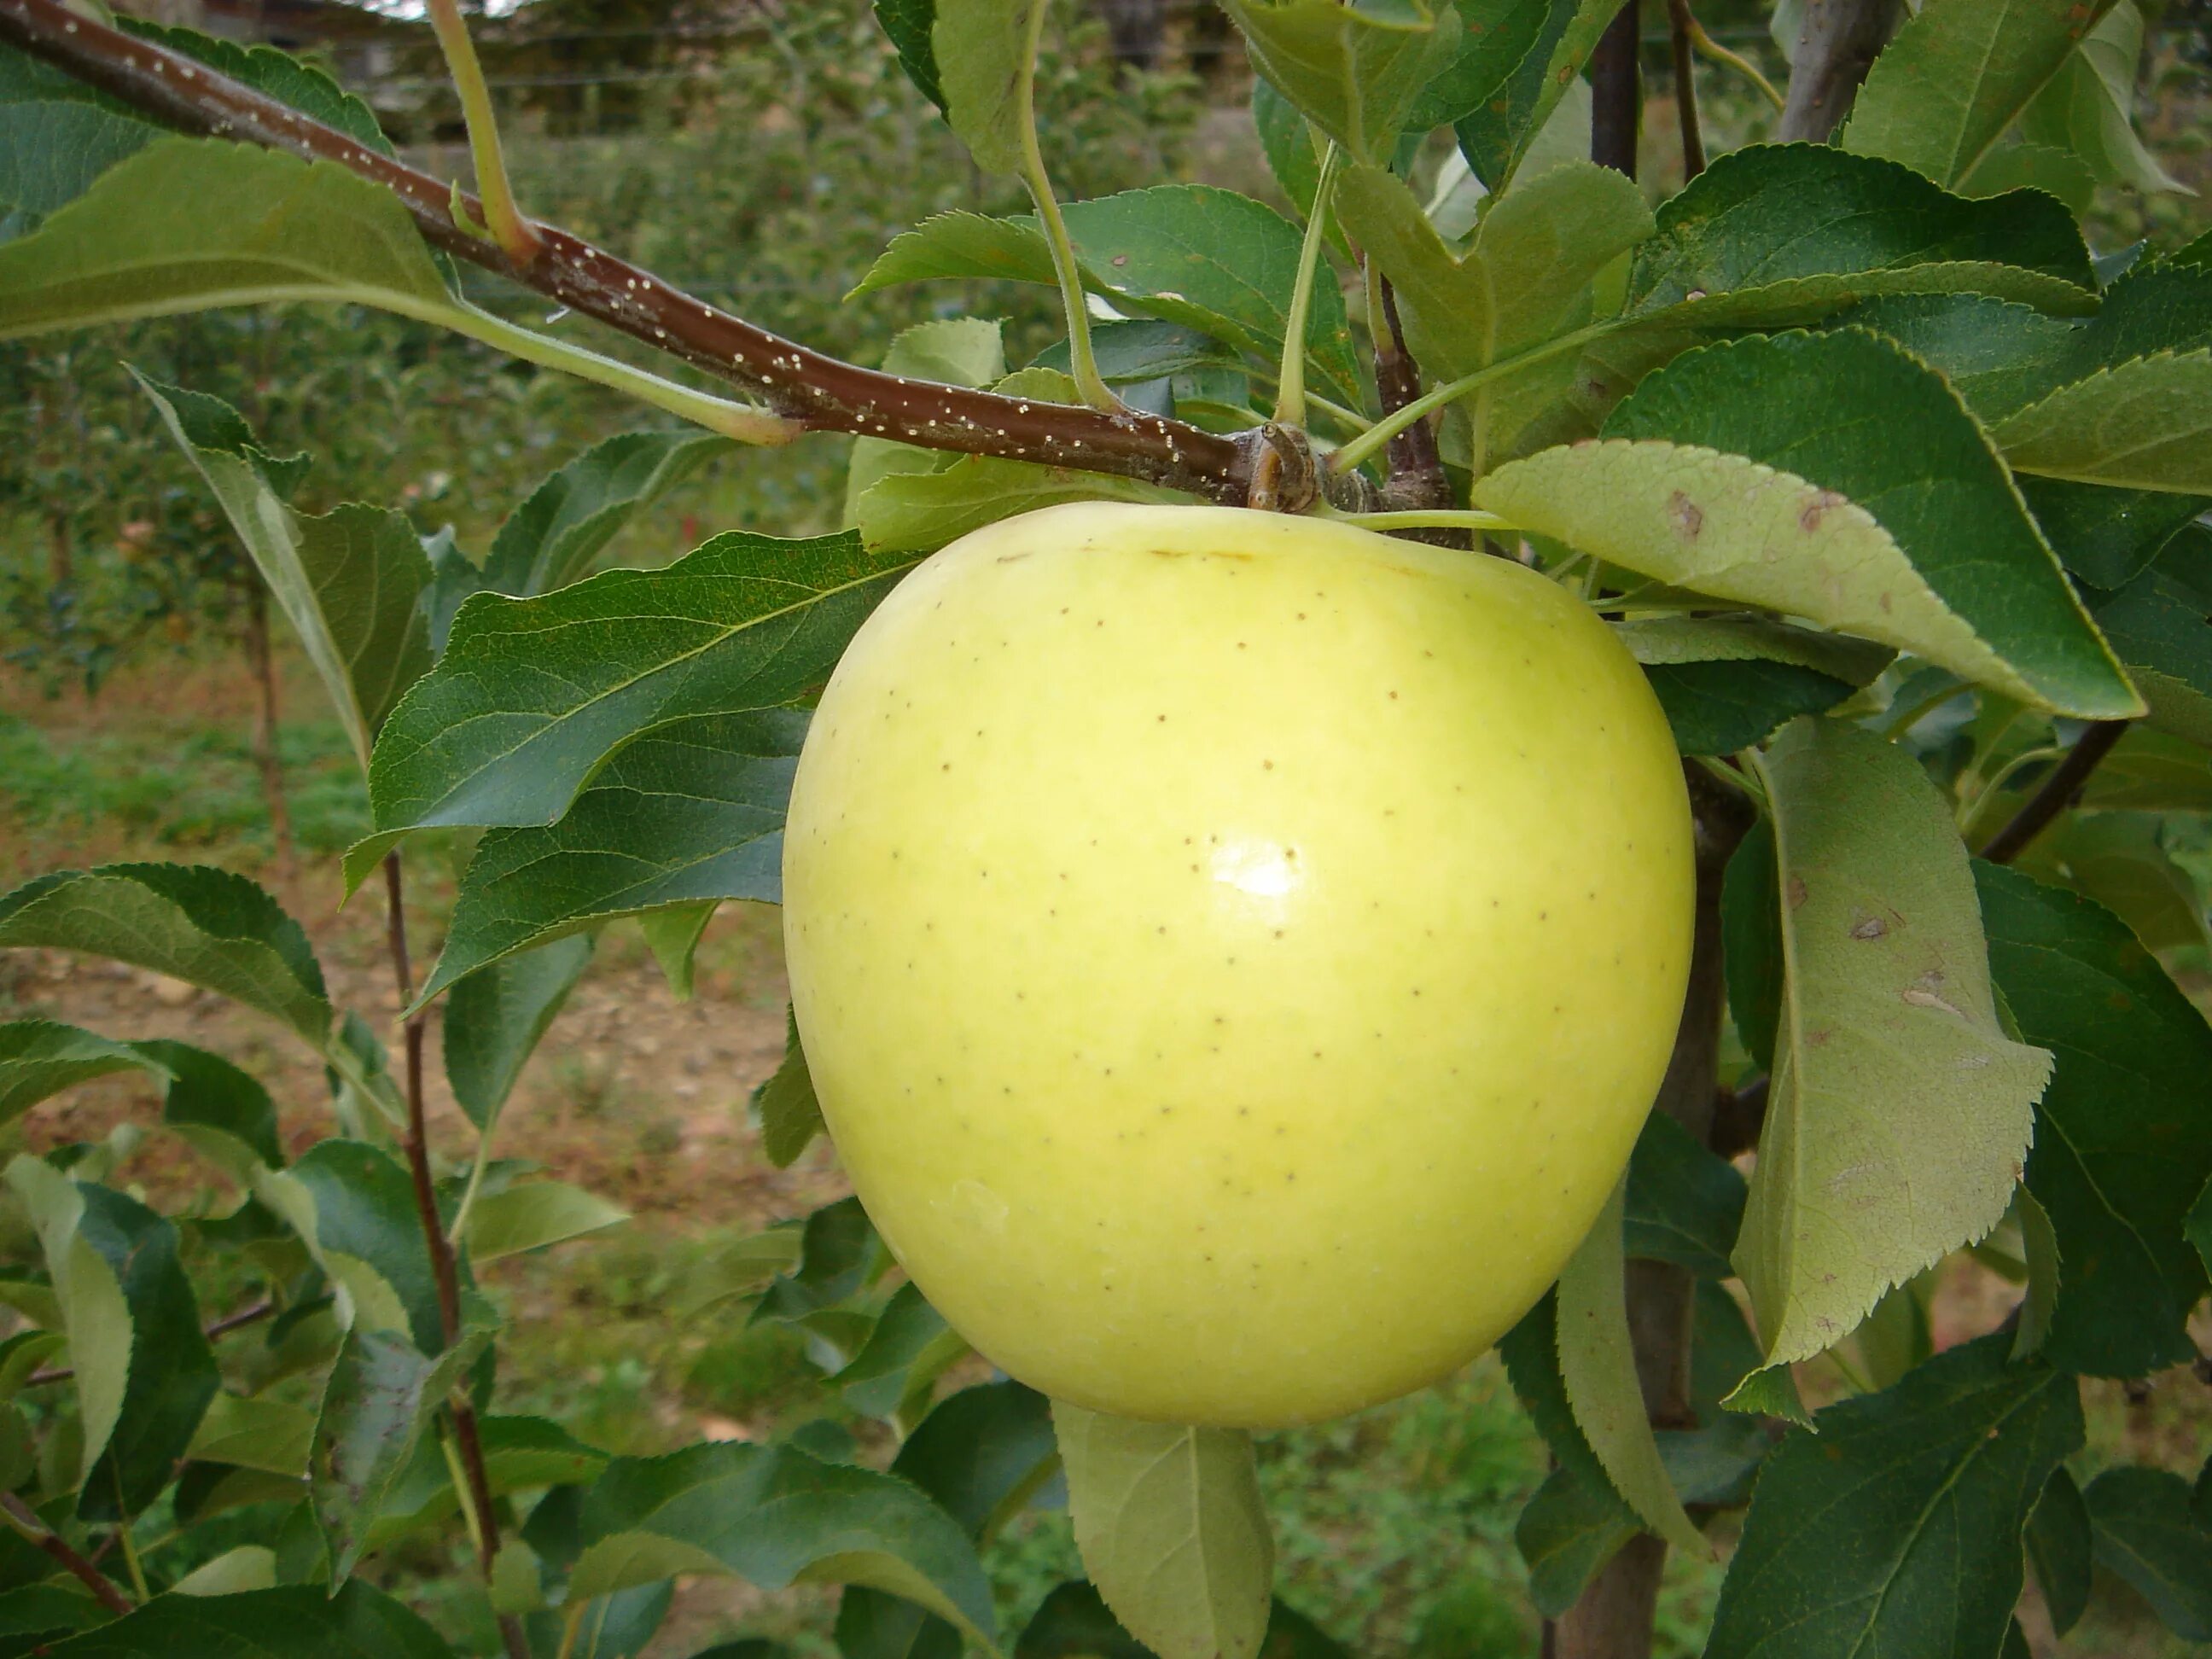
1616 99
1682 33
443 1268
1838 41
817 392
220 1328
26 1521
2056 794
1416 480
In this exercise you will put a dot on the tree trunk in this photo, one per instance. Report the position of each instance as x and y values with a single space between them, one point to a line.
1837 44
260 653
1614 1617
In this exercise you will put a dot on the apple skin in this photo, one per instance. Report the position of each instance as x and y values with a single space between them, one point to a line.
1234 952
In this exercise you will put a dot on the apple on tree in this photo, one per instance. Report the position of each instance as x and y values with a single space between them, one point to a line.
1234 952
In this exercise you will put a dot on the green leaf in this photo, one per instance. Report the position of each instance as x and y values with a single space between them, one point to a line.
222 1112
1525 279
2055 172
1355 71
1998 354
775 1516
2058 1548
2152 772
1729 682
354 1208
2148 1531
908 24
248 1567
1172 1530
948 351
1899 1111
2117 860
2088 108
534 696
2161 627
1503 117
790 1115
1751 935
42 1057
892 1376
291 1622
1683 1205
907 513
521 1454
533 1215
1288 143
985 55
550 540
2124 1135
1828 477
2146 424
1957 75
2198 1225
688 811
349 581
255 1432
203 926
187 224
673 934
839 1255
46 1610
1569 1529
1072 1622
1897 1529
496 1016
295 84
2107 537
1772 235
1597 1364
381 1396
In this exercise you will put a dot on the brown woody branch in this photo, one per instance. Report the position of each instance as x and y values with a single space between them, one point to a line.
215 1332
1682 33
1838 41
815 393
27 1520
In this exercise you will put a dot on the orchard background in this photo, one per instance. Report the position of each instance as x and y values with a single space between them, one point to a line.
154 707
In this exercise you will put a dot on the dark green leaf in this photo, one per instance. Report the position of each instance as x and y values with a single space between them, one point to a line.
550 540
839 1255
1072 1623
1751 942
1718 708
217 1107
1897 1528
1146 350
534 696
892 1376
1568 1531
1503 115
687 811
1850 413
1496 37
46 1610
42 1057
1685 1205
2123 1134
908 23
2106 537
355 1207
774 1516
2147 1529
521 1454
1355 71
496 1016
1998 354
1287 141
292 1622
203 926
790 1115
1774 234
2118 860
298 86
2058 1549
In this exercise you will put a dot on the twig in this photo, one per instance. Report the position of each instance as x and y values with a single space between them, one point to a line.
818 392
1615 99
28 1523
443 1270
2056 794
1417 480
220 1328
1735 60
1682 31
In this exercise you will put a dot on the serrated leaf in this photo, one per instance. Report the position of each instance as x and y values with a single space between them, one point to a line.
948 351
2147 1530
1354 70
1597 1364
42 1057
2117 860
354 1208
2088 108
904 1356
2107 537
2123 1134
984 53
223 1111
382 1392
775 1516
279 75
1831 477
550 540
2146 424
1072 1622
1899 1111
1172 1530
2162 630
1957 75
1998 354
204 926
255 1432
534 696
2058 172
688 811
1897 1528
1568 1531
1495 39
349 581
1683 1205
1503 119
2058 1548
536 1214
1776 234
496 1016
289 1622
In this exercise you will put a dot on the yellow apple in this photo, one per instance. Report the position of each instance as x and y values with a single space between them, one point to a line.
1234 952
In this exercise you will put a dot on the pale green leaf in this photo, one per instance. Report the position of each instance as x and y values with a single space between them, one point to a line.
255 1432
248 1567
1171 1529
1957 75
1900 1113
89 1300
1354 70
2146 424
1597 1363
950 351
985 52
536 1214
2088 108
673 934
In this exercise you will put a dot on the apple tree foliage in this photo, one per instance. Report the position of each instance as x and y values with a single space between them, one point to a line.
1889 478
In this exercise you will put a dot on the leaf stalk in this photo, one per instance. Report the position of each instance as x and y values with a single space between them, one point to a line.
515 236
